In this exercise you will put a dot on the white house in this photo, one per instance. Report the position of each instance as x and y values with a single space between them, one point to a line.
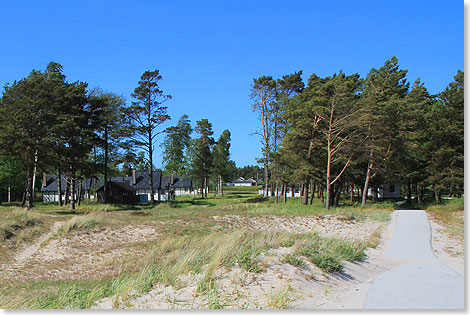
240 181
386 191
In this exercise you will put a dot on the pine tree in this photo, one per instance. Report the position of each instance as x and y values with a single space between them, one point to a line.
222 166
26 116
263 94
446 133
382 99
107 108
175 147
201 163
144 116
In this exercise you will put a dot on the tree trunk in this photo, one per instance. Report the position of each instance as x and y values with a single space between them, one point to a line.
284 193
313 192
437 193
338 191
72 188
202 187
420 194
266 179
366 183
221 186
351 197
374 193
408 196
305 195
29 193
366 187
59 187
34 172
206 184
67 189
452 187
80 190
328 195
277 192
105 187
23 199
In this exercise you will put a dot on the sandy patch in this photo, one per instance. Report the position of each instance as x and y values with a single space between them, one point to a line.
327 225
79 255
448 249
279 285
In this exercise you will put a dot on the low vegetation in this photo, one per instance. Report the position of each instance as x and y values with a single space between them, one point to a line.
450 213
15 223
188 243
81 222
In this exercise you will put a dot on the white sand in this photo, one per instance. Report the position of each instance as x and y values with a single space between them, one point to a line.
280 284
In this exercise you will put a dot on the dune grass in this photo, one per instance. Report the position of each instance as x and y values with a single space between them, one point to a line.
14 223
197 255
188 245
81 222
450 214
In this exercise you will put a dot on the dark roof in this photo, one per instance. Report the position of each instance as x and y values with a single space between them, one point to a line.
240 180
179 182
52 183
125 182
123 185
143 182
183 183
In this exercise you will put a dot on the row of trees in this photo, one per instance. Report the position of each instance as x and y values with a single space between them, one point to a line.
343 132
203 158
48 124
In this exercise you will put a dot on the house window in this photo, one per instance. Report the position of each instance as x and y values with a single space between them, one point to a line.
392 188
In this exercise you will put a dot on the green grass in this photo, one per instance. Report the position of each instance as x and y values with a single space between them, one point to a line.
186 254
81 222
281 298
54 294
448 213
187 244
328 253
16 221
294 260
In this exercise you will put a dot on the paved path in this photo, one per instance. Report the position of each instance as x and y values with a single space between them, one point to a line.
422 282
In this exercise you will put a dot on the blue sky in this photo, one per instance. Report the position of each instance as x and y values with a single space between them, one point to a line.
209 51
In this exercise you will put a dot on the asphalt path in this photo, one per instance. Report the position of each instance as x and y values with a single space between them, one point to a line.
422 281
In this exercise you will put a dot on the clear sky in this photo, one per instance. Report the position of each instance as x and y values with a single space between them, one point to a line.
208 52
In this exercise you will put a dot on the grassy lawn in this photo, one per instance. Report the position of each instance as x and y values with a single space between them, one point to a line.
188 242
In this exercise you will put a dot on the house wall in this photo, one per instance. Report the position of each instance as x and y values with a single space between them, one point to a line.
53 196
386 191
289 193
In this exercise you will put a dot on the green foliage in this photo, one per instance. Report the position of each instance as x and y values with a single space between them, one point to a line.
14 222
144 116
202 158
324 261
247 259
327 253
81 222
12 174
294 260
221 157
176 145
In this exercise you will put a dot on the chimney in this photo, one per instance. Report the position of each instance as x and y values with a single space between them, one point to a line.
134 179
44 180
172 179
